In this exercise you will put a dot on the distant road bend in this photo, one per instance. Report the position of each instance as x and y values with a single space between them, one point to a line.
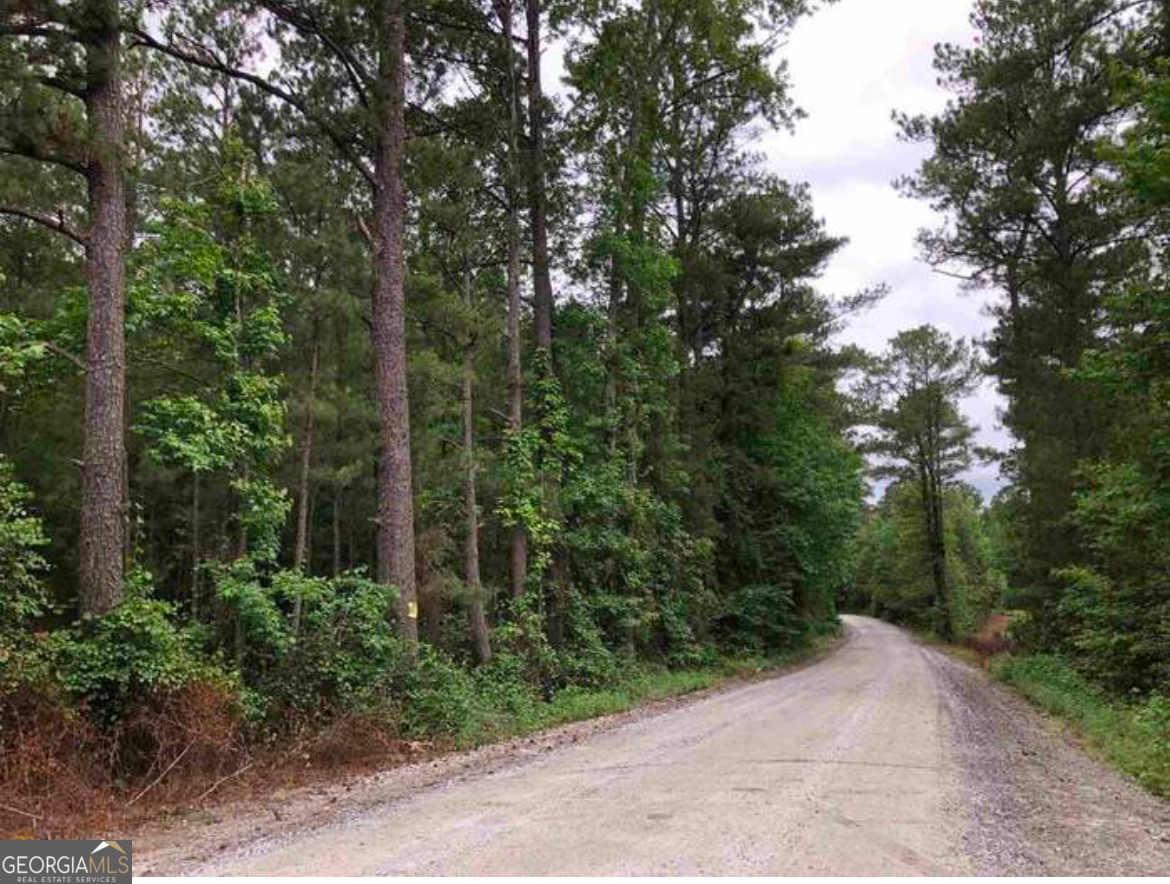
884 758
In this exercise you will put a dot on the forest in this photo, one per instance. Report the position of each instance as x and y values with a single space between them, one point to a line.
426 369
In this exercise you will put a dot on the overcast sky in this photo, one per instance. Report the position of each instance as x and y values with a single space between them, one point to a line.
851 65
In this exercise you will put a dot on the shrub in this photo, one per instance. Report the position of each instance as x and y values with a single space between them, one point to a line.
440 699
121 660
22 595
761 618
346 656
585 659
521 634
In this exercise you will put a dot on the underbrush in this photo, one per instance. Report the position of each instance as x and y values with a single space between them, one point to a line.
134 713
1133 736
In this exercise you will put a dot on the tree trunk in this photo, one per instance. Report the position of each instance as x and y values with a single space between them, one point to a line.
196 552
939 565
338 499
302 540
537 196
336 529
518 540
395 495
477 619
611 354
103 513
306 463
936 541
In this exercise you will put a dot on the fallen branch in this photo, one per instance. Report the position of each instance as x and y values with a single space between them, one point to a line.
223 780
158 779
10 809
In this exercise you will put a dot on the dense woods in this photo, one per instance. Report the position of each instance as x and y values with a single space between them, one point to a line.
351 369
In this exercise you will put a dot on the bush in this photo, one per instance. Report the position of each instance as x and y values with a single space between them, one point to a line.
585 659
346 657
440 699
21 565
117 662
761 618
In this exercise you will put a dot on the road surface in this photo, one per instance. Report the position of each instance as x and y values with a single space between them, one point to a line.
884 758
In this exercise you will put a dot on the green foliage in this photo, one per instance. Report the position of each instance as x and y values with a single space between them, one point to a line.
346 657
128 657
441 699
762 619
22 564
264 509
1134 736
522 502
1113 618
894 575
804 497
202 285
1115 612
523 638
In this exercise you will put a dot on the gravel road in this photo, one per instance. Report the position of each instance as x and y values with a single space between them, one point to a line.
887 757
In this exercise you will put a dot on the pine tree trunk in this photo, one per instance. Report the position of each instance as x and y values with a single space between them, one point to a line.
611 348
302 540
476 617
542 293
395 495
336 529
936 543
196 550
939 563
518 540
103 513
537 196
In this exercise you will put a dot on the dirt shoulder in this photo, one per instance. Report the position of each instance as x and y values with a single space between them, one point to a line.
184 843
1037 803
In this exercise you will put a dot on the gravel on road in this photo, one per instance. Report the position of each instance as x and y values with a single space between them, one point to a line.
887 757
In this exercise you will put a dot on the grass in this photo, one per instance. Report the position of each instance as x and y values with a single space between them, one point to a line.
641 685
648 685
1132 736
953 649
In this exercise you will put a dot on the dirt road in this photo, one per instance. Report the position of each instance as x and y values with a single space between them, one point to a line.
884 758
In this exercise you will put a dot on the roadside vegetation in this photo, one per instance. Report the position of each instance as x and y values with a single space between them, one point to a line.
1052 167
375 399
1132 735
304 458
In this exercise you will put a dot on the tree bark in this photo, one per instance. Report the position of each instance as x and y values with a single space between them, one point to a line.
338 498
537 186
395 494
196 551
939 564
306 463
932 511
611 354
518 539
542 290
476 617
301 546
103 512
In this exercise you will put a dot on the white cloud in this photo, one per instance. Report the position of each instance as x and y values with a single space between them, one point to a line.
852 65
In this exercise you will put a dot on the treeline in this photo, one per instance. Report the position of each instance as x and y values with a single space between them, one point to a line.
1051 166
345 370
